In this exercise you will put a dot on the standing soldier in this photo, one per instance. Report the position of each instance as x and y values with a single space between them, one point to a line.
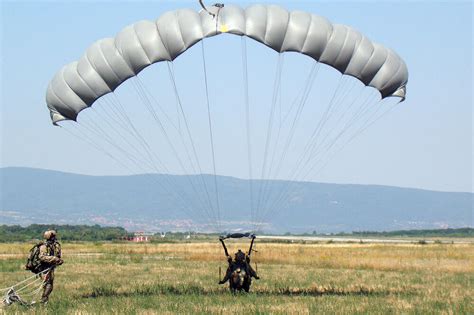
50 257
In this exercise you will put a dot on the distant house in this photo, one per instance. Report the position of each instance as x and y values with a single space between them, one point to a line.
141 237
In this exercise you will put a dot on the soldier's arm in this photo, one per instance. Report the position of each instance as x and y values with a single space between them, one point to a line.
46 258
58 250
251 246
225 248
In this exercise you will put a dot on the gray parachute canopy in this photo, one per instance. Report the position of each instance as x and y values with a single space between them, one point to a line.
111 61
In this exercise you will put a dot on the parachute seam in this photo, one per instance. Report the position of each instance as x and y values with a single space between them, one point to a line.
141 45
199 25
355 51
286 30
307 33
72 90
109 66
89 87
354 48
369 61
180 32
328 40
163 42
64 103
244 16
86 57
380 68
123 59
168 55
388 83
95 68
87 84
266 25
59 98
341 49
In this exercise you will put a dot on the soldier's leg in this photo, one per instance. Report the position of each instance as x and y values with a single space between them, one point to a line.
47 286
247 284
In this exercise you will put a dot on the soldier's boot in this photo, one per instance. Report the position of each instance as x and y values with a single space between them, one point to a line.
48 288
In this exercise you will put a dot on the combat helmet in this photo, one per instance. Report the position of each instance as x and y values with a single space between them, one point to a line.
48 235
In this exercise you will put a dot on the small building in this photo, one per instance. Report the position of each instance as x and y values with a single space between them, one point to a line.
141 237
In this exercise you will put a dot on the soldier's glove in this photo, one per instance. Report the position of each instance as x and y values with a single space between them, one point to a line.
222 282
60 262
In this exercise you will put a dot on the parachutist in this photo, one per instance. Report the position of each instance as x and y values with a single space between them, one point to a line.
239 272
49 257
42 259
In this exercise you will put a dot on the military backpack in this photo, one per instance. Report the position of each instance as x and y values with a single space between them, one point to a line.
33 263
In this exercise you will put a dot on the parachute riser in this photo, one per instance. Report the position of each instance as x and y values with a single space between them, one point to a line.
28 288
217 5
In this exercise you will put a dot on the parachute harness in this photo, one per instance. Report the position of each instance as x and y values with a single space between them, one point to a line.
25 291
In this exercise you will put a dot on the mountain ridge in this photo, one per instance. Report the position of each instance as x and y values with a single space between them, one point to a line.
226 176
29 195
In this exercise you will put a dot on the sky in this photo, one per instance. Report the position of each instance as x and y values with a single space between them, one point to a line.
425 142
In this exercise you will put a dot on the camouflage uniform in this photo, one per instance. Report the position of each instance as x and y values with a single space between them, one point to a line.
50 257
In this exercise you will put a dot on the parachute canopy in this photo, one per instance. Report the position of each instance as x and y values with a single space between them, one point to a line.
226 117
111 61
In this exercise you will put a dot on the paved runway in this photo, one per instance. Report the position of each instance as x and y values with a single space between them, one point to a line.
340 239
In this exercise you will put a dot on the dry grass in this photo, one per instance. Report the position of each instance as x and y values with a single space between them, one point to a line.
296 278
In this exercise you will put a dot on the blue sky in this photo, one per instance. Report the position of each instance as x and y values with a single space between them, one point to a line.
425 142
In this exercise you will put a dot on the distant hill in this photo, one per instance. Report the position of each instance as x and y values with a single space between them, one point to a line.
144 202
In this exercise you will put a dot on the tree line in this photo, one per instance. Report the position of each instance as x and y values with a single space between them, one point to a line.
17 233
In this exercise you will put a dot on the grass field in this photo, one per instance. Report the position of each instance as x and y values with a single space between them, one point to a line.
182 278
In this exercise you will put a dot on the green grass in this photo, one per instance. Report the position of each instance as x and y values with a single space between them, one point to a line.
296 278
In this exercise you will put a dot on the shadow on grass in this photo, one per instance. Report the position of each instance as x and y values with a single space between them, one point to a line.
178 290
